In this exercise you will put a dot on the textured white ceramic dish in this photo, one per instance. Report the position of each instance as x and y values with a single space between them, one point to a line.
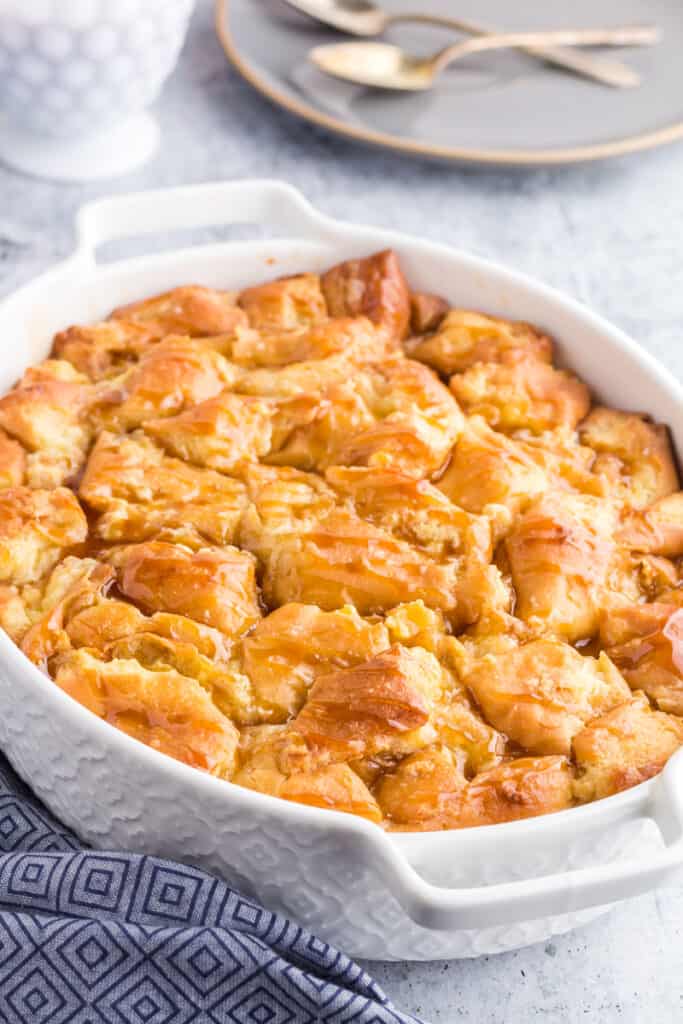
404 896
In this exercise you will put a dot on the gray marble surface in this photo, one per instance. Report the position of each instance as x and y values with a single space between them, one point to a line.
612 236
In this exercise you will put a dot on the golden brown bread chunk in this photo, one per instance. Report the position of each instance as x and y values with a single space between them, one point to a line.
418 513
101 624
296 643
527 395
335 787
287 304
104 349
36 528
24 606
341 559
216 586
413 624
474 743
98 626
73 610
312 546
374 287
191 309
223 433
14 618
424 792
653 660
221 677
139 491
165 641
523 788
656 529
656 575
394 414
488 468
357 338
163 709
632 579
12 462
377 707
426 312
307 379
285 500
542 693
175 374
412 509
429 792
559 553
76 613
672 595
46 413
75 586
108 621
465 338
414 420
633 453
624 621
489 471
626 746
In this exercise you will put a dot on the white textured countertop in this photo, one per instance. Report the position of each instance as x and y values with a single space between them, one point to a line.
612 236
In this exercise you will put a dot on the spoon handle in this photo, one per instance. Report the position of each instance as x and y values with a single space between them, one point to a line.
535 40
609 72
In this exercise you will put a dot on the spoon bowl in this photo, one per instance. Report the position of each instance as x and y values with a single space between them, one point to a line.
355 17
378 65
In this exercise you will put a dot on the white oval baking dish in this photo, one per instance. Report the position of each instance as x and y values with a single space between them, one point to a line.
384 896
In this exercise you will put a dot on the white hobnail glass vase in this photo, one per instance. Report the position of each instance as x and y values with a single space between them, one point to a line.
76 77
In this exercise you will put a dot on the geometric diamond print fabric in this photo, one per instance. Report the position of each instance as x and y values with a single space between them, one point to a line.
112 938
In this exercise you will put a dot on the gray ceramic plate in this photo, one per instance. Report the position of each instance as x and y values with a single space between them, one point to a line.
503 108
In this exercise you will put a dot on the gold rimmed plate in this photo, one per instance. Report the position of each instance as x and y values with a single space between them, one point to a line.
499 109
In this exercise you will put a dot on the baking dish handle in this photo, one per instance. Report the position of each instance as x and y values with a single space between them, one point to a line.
264 202
551 895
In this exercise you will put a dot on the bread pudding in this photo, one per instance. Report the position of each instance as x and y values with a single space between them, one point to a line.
338 542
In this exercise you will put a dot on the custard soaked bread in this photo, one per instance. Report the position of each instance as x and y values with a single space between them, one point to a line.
341 543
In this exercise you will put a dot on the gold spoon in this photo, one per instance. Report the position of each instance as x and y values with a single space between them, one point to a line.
364 18
383 66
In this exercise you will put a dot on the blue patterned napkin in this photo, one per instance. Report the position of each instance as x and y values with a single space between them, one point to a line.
116 938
